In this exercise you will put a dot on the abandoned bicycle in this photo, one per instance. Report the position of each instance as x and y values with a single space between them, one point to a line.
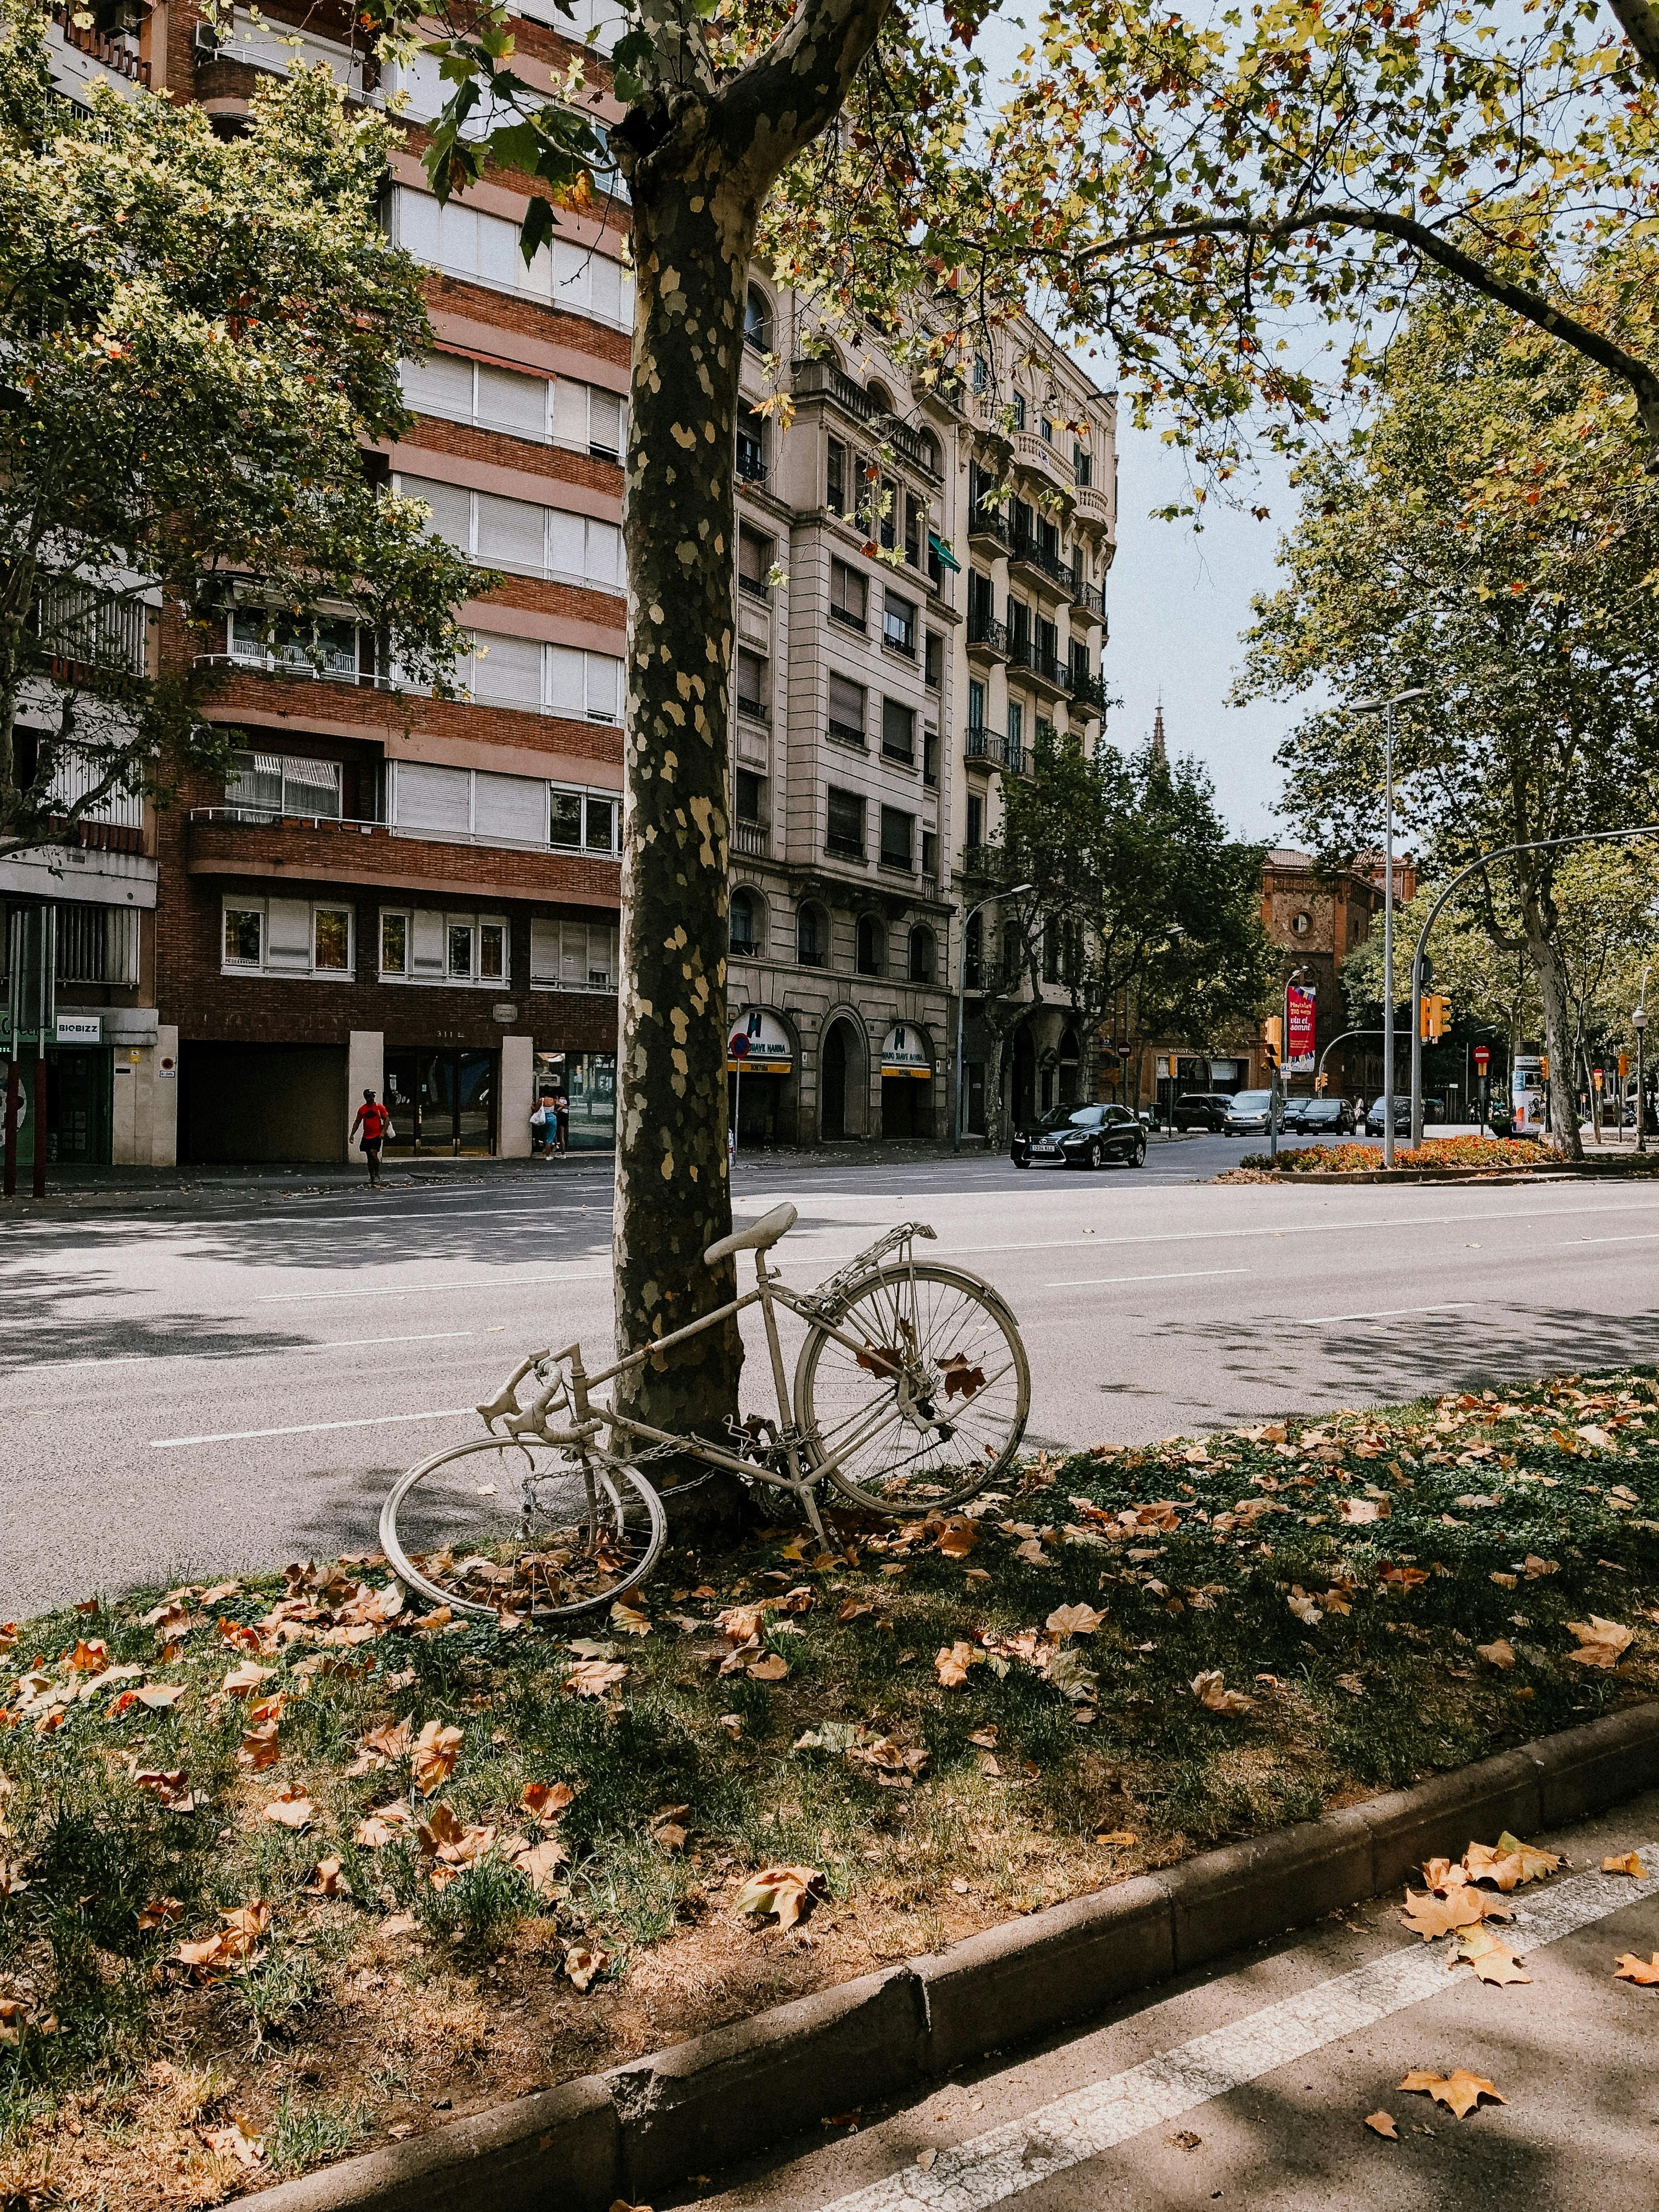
909 1395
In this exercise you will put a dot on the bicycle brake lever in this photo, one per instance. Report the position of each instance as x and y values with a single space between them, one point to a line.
506 1399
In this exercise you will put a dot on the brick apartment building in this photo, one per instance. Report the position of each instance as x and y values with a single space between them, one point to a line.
423 895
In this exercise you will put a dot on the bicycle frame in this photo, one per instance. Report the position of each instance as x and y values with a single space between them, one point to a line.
770 1289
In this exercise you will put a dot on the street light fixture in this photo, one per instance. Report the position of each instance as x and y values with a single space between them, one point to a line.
962 997
1385 708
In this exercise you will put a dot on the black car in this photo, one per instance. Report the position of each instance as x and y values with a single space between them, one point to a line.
1080 1137
1201 1110
1433 1110
1321 1117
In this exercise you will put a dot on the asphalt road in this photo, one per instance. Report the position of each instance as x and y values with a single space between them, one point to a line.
192 1392
1249 2085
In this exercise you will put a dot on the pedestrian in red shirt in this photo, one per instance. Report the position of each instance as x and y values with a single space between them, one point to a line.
376 1125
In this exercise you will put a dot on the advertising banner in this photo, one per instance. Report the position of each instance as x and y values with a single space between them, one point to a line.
1299 1050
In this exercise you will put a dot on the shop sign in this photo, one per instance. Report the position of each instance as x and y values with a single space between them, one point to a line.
904 1053
79 1029
759 1045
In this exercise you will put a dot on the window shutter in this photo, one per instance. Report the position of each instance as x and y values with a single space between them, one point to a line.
510 806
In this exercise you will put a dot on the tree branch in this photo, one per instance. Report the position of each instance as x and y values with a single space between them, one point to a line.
798 87
1640 24
1532 307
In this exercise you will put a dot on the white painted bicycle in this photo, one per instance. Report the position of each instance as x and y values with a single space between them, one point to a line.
910 1394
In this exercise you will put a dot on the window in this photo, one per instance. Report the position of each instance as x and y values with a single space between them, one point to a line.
1301 923
913 526
752 446
519 536
751 684
973 949
933 660
849 595
845 835
1019 411
981 373
1051 951
460 950
754 562
1082 466
485 249
420 945
325 647
835 479
602 823
245 936
744 938
1016 731
758 319
922 956
394 945
589 418
898 833
869 947
273 783
898 624
898 733
508 810
573 956
331 939
565 819
812 938
930 758
976 821
286 937
976 703
930 853
747 795
846 706
585 686
1019 626
1046 430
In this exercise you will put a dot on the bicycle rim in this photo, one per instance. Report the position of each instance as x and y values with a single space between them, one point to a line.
508 1523
942 1428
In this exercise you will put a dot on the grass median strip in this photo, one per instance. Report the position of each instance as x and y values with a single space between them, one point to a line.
287 1866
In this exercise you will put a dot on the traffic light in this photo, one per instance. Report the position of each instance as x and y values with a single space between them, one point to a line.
1320 1082
1273 1035
1544 1066
1434 1015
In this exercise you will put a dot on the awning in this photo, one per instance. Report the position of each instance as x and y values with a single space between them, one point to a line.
938 545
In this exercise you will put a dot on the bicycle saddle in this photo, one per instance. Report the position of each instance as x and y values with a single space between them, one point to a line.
759 1236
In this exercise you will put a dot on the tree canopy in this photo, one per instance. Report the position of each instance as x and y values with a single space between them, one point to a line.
199 338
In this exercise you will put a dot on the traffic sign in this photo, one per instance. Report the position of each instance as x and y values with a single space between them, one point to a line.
1482 1057
737 1046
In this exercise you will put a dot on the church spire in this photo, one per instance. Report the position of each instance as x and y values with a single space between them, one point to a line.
1157 730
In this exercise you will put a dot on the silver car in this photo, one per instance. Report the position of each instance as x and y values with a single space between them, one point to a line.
1248 1112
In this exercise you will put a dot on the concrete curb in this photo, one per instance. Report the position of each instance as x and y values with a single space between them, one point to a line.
700 2103
1390 1178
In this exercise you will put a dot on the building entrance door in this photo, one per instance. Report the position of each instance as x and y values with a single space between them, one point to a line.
832 1106
441 1100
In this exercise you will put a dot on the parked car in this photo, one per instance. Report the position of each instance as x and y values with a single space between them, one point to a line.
1201 1110
1320 1117
1246 1113
1080 1137
1434 1109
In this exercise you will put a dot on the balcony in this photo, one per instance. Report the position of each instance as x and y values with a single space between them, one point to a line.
987 639
229 840
988 531
1088 601
1042 562
984 864
847 733
751 841
839 847
1089 691
751 467
1045 670
84 629
114 53
1033 451
755 710
990 979
755 587
1091 510
814 379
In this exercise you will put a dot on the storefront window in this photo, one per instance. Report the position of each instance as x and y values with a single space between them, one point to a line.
588 1081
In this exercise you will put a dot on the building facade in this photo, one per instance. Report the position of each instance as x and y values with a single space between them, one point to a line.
422 895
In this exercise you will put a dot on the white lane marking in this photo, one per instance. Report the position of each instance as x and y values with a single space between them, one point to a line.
421 1290
39 1372
1176 1275
1007 2162
1387 1313
315 1428
1647 1237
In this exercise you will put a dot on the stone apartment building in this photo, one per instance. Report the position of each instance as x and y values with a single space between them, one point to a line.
423 895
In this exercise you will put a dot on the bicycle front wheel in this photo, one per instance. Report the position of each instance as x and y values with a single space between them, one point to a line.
914 1396
509 1523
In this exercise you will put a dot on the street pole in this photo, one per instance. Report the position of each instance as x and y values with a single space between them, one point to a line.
960 1115
1386 708
1639 1020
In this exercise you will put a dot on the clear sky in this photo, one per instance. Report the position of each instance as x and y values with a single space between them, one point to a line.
1178 600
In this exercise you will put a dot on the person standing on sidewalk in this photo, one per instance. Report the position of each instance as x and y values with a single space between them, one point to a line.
376 1125
561 1120
542 1126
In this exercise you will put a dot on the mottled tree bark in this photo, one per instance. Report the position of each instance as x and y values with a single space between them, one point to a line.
699 158
1538 919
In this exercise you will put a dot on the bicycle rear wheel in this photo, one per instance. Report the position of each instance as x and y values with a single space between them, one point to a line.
921 1396
509 1522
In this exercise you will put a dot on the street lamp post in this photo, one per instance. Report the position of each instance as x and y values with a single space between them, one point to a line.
962 998
1639 1021
1385 708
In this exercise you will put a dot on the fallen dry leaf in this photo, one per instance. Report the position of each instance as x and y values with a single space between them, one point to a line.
1073 1621
235 1943
1355 1511
1629 1863
1630 1968
592 1678
546 1801
952 1663
787 1891
432 1759
1119 1838
584 1964
1213 1693
160 1913
1460 2091
234 2142
1601 1643
160 1696
398 1923
260 1748
1534 1865
771 1669
629 1621
1430 1916
242 1682
1500 1653
89 1658
1490 1956
539 1865
1382 2123
292 1808
324 1880
958 1537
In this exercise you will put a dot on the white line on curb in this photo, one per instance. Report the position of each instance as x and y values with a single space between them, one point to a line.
1005 2161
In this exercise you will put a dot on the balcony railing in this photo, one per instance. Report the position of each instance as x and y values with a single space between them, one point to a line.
756 710
82 627
754 587
987 522
263 818
751 468
1089 598
1089 691
753 839
990 979
299 669
815 378
1023 546
1046 667
841 847
114 53
847 733
987 634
